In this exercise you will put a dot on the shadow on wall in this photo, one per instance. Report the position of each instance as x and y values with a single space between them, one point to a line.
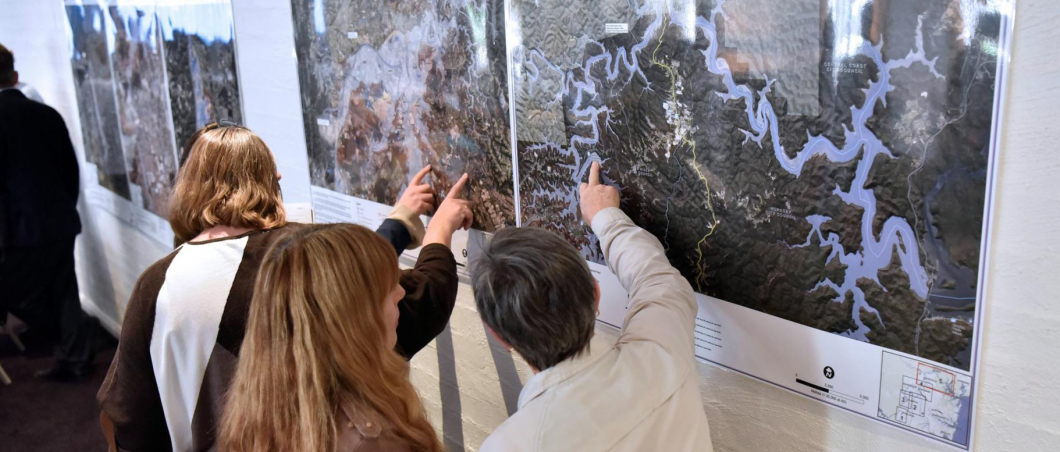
452 421
511 386
452 412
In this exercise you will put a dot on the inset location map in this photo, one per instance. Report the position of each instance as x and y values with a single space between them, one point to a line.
925 398
825 162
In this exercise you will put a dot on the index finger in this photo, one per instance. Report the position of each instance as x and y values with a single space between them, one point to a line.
457 190
594 173
418 178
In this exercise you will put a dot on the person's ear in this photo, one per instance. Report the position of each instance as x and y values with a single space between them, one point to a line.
15 78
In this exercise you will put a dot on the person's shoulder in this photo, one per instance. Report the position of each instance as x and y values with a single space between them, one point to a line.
265 238
13 104
30 92
47 111
498 442
145 293
155 273
517 433
37 112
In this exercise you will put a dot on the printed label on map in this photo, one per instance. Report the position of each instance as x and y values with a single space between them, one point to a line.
616 28
848 68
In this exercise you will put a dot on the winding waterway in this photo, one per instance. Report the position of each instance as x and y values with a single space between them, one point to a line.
874 254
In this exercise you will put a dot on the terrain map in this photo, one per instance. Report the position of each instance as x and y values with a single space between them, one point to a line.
824 162
146 78
390 88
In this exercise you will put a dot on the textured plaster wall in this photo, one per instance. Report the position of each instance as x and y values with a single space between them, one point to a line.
469 385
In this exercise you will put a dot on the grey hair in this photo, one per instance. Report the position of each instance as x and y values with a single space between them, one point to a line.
535 291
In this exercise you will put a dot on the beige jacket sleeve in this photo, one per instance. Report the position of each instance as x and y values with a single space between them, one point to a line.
412 222
662 305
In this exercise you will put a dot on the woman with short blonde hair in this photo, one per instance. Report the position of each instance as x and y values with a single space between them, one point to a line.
187 315
309 382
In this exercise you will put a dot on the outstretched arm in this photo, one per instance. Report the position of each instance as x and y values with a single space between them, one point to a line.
662 305
430 295
403 228
431 286
396 232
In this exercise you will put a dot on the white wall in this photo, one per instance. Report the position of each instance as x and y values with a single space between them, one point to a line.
469 386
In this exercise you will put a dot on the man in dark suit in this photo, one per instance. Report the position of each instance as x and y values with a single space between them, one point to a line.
38 224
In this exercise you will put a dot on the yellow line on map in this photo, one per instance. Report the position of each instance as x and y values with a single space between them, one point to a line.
692 144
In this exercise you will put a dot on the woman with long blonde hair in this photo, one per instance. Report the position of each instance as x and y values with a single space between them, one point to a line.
187 315
318 370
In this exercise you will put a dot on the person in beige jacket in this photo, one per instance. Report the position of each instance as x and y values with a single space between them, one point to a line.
536 294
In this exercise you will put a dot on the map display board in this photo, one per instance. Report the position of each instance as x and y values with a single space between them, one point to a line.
147 74
823 162
388 89
820 171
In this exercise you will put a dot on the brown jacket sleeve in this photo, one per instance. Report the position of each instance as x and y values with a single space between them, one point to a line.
129 395
430 294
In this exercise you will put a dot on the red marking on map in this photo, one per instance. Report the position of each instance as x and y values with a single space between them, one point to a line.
930 383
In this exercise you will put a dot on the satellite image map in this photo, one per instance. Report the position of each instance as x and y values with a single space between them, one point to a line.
140 81
96 104
825 161
201 65
388 88
123 59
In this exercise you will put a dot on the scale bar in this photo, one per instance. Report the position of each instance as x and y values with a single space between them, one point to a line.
804 382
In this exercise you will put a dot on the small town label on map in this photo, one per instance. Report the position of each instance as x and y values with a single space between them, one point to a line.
616 28
778 212
849 68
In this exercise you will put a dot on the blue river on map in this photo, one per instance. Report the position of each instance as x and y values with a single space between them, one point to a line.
897 235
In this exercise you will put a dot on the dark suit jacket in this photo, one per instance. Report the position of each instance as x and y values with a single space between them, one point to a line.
38 174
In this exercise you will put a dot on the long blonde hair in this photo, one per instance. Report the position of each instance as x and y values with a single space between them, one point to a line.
316 340
229 179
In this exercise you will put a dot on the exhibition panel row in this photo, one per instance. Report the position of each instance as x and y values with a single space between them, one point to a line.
821 171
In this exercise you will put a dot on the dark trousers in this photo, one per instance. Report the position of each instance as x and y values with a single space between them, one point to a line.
39 286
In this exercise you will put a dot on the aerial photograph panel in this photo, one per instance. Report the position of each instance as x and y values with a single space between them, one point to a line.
143 104
843 189
201 66
94 88
390 88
